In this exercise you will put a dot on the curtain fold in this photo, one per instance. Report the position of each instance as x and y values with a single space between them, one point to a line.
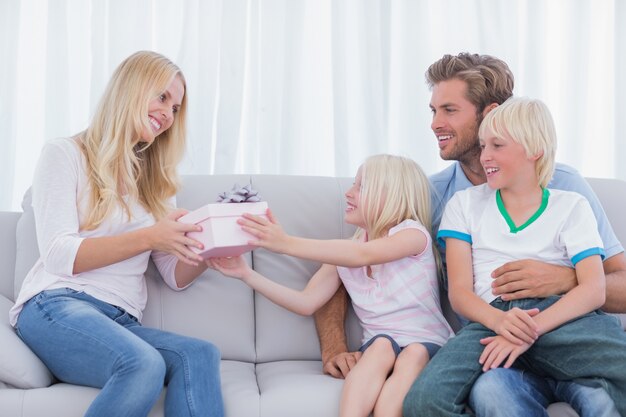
308 87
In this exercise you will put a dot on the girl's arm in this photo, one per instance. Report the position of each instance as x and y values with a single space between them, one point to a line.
588 295
349 253
318 291
516 325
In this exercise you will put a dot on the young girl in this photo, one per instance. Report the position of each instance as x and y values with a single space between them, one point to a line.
514 216
103 204
389 270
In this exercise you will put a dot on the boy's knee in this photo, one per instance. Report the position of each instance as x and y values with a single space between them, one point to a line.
418 401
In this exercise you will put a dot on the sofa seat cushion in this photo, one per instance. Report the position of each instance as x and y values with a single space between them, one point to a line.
19 366
297 388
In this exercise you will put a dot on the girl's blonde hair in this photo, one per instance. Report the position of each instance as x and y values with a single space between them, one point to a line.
117 162
528 122
393 189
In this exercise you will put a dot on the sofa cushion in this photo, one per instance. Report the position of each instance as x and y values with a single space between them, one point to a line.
27 249
308 207
213 308
297 388
19 366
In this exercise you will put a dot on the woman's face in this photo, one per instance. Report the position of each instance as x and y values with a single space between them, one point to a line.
162 110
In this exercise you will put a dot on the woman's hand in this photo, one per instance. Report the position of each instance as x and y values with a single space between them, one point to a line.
268 232
235 267
169 235
517 325
497 349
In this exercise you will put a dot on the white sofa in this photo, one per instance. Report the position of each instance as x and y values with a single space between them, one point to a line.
271 359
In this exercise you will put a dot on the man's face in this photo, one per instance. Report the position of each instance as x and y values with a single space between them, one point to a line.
455 121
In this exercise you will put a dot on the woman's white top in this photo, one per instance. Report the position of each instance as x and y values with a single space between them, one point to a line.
60 201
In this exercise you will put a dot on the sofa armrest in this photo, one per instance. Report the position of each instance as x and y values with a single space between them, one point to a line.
19 366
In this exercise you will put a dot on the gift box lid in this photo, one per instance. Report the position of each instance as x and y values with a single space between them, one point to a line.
223 210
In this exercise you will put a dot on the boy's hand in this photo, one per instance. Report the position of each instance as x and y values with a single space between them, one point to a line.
497 349
268 232
517 325
235 267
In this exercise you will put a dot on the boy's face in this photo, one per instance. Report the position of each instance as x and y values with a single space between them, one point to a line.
505 162
455 121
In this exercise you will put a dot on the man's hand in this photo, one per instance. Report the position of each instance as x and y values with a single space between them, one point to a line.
531 279
341 364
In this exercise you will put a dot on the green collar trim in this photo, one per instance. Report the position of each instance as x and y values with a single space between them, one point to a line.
509 221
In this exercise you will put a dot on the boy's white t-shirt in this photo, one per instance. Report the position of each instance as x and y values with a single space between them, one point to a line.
60 202
401 299
563 233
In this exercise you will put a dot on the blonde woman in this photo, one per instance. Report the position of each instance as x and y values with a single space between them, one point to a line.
390 271
104 204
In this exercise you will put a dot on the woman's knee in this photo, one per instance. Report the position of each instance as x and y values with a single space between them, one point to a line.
144 361
200 354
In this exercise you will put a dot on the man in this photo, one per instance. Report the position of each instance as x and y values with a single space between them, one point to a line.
464 88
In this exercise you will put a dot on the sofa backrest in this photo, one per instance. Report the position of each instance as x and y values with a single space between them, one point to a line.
245 325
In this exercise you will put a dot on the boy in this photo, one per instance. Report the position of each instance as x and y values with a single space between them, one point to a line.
511 217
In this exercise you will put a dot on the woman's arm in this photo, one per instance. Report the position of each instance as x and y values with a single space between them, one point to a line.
349 253
167 235
318 291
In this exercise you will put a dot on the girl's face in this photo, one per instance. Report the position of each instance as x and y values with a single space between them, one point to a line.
354 213
162 110
505 162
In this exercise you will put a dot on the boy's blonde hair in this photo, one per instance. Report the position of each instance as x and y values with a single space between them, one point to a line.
528 122
118 163
393 189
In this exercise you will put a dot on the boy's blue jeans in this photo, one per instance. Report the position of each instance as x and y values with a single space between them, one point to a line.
590 350
85 341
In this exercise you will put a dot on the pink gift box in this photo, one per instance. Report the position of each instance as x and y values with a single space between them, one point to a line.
221 235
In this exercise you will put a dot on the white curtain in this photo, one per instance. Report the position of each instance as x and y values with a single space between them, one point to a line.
308 86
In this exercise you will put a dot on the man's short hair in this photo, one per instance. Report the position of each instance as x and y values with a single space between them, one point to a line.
489 79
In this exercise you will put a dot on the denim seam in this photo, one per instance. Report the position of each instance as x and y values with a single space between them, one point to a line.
187 379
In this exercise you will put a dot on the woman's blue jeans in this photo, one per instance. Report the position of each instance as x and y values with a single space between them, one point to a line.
590 350
85 341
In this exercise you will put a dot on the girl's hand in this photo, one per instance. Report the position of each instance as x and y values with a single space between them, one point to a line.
268 232
168 235
235 267
497 349
518 326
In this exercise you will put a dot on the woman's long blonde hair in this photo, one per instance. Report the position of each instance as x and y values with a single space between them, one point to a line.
117 162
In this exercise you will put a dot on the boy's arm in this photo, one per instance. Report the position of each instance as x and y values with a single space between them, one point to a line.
587 296
330 325
615 272
516 325
530 279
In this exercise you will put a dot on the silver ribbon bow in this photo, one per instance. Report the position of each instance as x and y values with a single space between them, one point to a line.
239 195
